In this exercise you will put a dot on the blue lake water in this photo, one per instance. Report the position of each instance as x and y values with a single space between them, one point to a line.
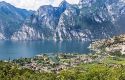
18 49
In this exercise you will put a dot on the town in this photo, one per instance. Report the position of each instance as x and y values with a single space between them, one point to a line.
102 50
55 63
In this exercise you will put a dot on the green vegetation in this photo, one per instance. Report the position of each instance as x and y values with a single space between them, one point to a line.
90 71
114 60
9 71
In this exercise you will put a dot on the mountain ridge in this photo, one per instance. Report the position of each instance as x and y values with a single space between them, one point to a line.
11 19
88 20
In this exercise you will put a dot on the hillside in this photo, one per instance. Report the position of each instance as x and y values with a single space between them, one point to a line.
86 21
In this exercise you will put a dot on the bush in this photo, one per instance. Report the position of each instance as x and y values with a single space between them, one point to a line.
9 71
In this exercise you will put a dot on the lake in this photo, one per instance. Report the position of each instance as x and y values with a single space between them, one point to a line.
18 49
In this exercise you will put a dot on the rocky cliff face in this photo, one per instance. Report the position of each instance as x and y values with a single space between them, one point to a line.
90 19
11 19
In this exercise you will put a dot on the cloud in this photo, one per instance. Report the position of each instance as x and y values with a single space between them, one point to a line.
57 2
28 4
73 1
35 4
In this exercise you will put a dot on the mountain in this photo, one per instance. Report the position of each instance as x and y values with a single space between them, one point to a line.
11 19
88 20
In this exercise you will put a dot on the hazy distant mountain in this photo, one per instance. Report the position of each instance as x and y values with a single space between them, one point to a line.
90 19
11 19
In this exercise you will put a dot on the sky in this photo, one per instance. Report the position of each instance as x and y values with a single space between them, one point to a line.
35 4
